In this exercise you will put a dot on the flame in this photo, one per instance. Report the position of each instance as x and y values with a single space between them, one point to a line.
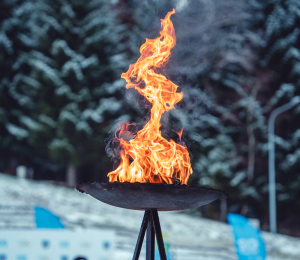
154 159
180 133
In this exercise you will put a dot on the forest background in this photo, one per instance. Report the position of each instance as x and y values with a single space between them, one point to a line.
235 61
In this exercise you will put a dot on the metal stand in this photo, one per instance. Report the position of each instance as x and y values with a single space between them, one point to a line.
151 223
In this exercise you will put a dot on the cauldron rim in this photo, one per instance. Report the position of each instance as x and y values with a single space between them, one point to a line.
141 196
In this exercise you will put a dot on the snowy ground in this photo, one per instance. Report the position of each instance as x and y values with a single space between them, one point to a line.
190 238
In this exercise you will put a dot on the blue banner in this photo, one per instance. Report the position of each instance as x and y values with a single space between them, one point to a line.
248 242
46 219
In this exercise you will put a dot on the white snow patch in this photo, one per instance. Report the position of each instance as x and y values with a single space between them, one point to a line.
189 237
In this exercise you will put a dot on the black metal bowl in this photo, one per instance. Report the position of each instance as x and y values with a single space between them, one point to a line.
142 196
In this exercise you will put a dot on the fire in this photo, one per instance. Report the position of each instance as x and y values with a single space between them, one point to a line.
149 157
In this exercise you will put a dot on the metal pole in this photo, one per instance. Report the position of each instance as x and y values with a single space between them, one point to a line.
271 148
159 238
140 239
150 239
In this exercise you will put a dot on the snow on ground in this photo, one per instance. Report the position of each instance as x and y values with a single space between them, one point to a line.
190 237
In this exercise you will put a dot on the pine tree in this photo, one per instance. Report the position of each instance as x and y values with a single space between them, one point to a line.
72 66
15 98
254 70
280 21
228 70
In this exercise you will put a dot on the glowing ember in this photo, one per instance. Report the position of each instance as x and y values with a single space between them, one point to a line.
153 158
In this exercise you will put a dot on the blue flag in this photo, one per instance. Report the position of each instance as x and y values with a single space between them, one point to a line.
46 219
248 242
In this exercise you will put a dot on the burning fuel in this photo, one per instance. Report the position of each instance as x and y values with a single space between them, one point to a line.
149 157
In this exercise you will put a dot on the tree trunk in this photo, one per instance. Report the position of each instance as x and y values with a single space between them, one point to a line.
223 210
71 175
251 154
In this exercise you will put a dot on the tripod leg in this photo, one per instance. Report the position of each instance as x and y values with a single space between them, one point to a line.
140 239
159 238
150 242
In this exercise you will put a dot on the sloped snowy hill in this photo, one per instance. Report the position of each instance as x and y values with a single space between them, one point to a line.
190 238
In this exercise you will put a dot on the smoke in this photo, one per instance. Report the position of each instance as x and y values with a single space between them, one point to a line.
121 130
135 99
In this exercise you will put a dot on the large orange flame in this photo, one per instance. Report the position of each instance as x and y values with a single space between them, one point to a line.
154 159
